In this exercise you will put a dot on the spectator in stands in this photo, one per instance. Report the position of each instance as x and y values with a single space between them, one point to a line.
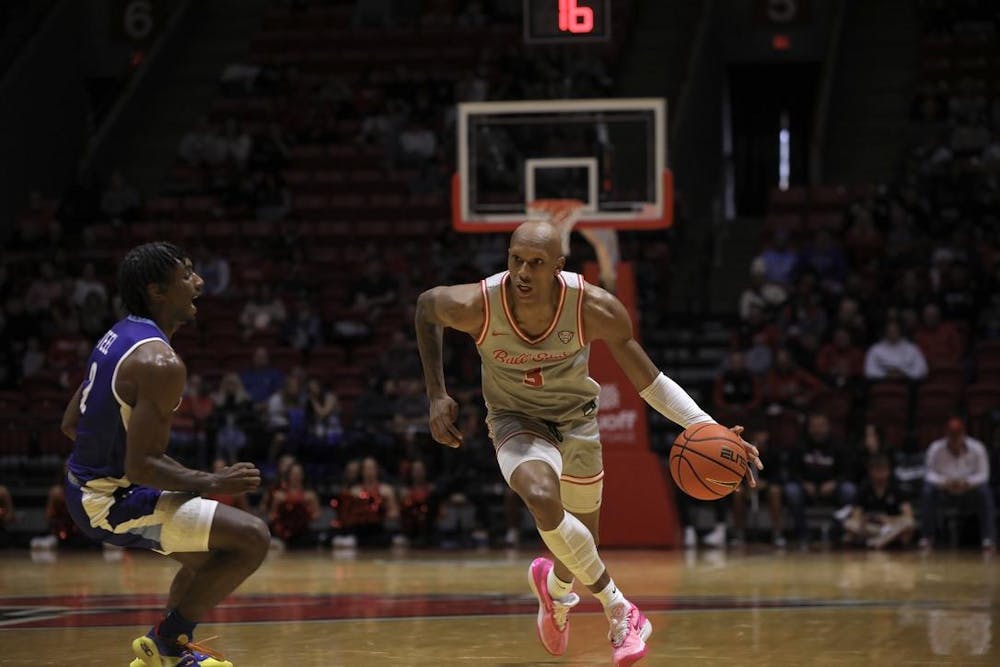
63 531
233 411
238 144
825 258
958 473
369 510
882 513
787 386
293 507
192 415
44 290
894 357
33 358
303 330
322 412
821 470
62 349
88 284
757 336
417 505
238 500
410 406
375 290
285 416
767 296
940 342
417 144
94 316
840 362
768 484
400 358
779 259
263 313
71 376
213 269
120 201
850 318
262 379
197 146
737 392
957 294
864 242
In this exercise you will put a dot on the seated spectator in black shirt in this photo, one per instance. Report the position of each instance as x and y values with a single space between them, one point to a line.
882 514
821 470
737 392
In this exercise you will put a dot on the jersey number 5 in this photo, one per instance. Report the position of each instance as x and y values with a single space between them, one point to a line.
534 377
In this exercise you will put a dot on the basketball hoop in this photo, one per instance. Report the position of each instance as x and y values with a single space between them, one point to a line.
564 214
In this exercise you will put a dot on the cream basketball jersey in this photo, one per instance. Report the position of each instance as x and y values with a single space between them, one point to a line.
547 377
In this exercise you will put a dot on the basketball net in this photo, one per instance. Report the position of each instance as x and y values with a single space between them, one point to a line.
564 214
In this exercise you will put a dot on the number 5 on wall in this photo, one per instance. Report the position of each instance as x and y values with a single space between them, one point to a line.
575 19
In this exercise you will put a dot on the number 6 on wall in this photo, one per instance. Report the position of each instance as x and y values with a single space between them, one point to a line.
575 19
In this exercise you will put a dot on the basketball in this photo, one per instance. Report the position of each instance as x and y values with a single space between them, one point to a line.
707 461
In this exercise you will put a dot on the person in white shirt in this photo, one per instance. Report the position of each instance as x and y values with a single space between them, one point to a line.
894 357
958 474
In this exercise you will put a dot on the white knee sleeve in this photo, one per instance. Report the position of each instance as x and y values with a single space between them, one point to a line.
573 544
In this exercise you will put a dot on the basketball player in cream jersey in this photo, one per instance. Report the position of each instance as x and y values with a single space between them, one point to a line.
532 325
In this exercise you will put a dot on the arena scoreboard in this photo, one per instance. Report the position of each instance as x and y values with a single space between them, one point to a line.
566 21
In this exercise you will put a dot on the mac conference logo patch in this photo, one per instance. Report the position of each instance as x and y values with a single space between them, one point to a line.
565 336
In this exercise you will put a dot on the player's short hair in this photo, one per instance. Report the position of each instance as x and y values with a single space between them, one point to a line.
144 264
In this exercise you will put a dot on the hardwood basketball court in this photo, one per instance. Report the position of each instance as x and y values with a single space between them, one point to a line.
462 608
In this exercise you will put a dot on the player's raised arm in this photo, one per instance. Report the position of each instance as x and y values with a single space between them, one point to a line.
458 307
605 318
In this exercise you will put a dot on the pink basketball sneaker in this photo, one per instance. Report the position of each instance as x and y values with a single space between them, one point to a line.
629 631
552 624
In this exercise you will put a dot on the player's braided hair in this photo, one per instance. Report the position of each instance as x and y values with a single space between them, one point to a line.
148 263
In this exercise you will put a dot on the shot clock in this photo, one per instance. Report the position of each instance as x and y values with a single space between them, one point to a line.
566 21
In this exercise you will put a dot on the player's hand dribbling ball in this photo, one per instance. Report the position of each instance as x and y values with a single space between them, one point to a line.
708 461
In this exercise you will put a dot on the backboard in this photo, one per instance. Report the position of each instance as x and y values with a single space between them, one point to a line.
609 153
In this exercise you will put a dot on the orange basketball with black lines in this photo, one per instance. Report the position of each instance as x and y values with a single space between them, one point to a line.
708 461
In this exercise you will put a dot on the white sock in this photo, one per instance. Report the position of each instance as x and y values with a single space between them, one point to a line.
573 544
558 588
610 597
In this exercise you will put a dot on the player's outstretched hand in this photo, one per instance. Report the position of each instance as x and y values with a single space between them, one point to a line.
444 412
753 457
238 478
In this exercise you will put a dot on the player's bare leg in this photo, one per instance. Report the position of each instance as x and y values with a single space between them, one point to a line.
572 543
237 544
190 563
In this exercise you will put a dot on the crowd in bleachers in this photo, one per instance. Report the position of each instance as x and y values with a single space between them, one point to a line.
312 197
871 325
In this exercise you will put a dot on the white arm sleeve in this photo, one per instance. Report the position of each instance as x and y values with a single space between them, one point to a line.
670 400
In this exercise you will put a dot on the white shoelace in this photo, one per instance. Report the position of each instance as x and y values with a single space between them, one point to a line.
560 609
619 625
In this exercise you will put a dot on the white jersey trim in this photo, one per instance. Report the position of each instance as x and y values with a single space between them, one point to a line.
510 315
124 408
486 313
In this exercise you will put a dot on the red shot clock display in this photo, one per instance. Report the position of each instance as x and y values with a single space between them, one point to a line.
551 21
